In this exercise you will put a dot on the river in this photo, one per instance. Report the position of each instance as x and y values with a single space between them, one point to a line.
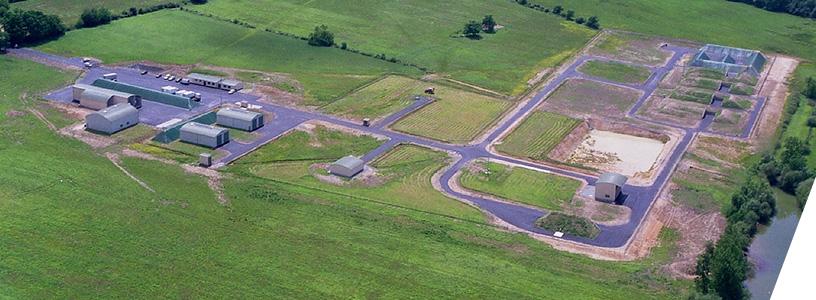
770 246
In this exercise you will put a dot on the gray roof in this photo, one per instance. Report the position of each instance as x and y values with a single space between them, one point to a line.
614 178
99 90
204 77
117 111
239 114
349 162
202 129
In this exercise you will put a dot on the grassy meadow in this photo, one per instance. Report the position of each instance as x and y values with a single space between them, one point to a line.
615 71
537 135
455 116
420 32
521 185
70 10
379 99
326 73
706 21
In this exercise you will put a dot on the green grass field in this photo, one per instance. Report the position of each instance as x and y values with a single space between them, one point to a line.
404 173
326 73
456 116
72 225
705 21
420 32
379 99
631 47
615 71
521 185
70 10
537 135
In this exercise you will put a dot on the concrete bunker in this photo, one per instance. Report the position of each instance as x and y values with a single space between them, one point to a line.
204 135
347 166
239 119
97 98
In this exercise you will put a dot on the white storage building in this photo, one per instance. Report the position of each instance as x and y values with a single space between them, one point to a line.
347 166
239 119
112 119
97 98
204 135
215 82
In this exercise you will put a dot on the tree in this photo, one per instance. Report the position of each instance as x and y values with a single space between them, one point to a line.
321 37
94 17
729 267
4 7
4 40
593 23
557 9
472 30
580 20
703 269
810 88
31 26
198 1
570 15
522 2
802 192
488 24
794 155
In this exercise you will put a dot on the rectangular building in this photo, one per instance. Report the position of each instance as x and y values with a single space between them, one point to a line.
239 119
608 187
215 82
347 166
204 135
112 119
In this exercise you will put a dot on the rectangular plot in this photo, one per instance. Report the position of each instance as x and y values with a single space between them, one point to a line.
538 135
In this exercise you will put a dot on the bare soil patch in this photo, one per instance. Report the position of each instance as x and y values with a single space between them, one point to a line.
775 88
582 98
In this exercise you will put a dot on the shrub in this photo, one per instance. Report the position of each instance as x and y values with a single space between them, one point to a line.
198 1
580 20
321 37
472 30
573 225
94 17
593 23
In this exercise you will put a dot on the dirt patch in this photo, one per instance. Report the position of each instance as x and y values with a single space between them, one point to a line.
775 88
582 98
610 151
667 110
599 212
563 150
14 113
309 127
78 131
114 158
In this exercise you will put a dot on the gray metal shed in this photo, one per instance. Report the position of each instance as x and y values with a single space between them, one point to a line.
608 187
239 119
98 98
204 135
347 166
112 119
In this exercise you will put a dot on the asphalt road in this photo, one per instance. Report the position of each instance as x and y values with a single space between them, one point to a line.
638 198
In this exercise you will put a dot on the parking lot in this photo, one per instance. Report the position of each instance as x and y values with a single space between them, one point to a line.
154 113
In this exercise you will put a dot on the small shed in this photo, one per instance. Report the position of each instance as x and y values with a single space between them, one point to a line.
204 135
608 187
347 166
112 119
239 119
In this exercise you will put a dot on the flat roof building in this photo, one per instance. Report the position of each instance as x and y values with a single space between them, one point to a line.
215 82
239 119
97 98
112 119
204 135
608 187
347 166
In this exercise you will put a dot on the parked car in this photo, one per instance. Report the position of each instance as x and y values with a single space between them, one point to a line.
143 72
171 78
159 75
185 81
232 91
88 65
178 79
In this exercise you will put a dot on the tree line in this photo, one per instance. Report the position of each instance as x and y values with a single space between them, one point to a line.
568 14
27 26
802 8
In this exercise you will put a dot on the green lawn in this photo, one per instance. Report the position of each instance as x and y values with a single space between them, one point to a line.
380 99
615 71
70 10
404 174
456 116
74 226
705 21
420 32
521 185
326 73
631 47
537 135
